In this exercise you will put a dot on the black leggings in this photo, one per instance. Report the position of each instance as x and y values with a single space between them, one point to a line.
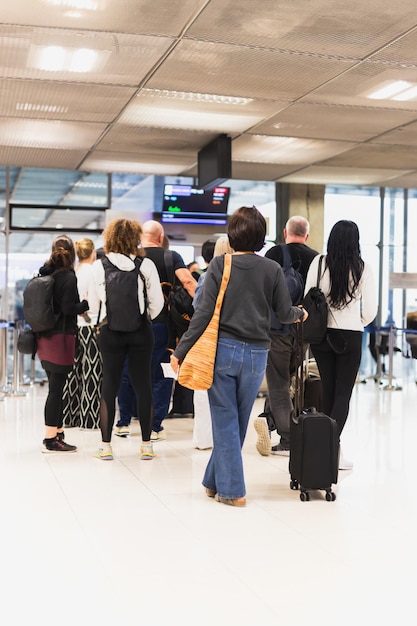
54 405
137 347
338 373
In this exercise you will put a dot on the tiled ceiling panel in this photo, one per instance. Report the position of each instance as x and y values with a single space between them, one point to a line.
243 71
205 111
62 101
347 29
160 141
285 150
344 123
322 175
163 17
27 157
123 59
378 156
288 81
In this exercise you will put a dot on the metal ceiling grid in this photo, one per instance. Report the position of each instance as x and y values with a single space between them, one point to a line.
308 68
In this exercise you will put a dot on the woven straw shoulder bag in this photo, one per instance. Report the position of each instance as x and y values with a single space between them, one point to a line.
197 369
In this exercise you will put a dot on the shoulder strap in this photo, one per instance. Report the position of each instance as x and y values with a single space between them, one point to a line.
225 279
286 256
319 270
169 267
138 262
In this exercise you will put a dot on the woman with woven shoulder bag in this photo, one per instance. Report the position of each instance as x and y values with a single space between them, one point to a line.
255 285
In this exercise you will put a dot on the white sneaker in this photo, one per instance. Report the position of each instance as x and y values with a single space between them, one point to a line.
161 436
263 444
122 431
344 464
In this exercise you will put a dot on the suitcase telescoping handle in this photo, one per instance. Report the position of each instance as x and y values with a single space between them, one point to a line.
299 378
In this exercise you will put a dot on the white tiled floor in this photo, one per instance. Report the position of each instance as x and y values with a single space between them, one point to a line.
130 542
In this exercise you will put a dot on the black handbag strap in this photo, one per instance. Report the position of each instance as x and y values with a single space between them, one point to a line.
319 270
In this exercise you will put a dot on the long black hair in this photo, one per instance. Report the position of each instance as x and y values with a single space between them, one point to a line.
344 262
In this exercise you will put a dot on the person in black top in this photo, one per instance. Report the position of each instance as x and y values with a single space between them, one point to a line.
281 357
152 242
56 348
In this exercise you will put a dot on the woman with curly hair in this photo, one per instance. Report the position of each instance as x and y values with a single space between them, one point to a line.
135 340
56 348
348 283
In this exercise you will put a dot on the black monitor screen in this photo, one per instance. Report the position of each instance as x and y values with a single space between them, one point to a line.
184 204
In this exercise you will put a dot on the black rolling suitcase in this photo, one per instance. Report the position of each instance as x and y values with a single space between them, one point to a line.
314 442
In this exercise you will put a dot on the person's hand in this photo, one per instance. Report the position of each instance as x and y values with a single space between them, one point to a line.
305 316
175 363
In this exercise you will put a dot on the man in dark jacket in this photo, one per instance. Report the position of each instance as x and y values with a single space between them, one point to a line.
281 357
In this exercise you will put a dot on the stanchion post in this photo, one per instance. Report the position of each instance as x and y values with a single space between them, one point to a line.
15 388
390 386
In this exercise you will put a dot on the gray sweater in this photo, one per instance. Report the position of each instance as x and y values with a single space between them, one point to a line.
256 286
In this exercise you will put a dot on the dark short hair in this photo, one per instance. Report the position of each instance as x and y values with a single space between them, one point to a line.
246 230
207 250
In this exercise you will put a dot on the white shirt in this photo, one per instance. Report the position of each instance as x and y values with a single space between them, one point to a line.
357 313
83 271
97 290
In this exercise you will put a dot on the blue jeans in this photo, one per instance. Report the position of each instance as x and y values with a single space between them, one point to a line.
161 386
126 399
238 374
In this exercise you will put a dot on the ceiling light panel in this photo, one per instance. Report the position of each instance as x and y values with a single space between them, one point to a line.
354 87
260 148
119 16
187 110
241 71
353 29
121 59
64 101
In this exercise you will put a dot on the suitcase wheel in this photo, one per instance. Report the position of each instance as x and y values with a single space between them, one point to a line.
304 496
294 484
330 496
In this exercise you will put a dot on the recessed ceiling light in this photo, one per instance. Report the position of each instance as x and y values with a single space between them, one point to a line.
389 90
196 97
60 59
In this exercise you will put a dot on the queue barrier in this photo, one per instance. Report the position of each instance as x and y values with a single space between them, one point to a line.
390 331
12 386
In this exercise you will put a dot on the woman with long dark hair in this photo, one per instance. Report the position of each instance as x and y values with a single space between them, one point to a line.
348 283
56 348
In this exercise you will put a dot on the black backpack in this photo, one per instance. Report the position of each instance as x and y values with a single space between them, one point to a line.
38 303
179 303
295 284
122 302
315 303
